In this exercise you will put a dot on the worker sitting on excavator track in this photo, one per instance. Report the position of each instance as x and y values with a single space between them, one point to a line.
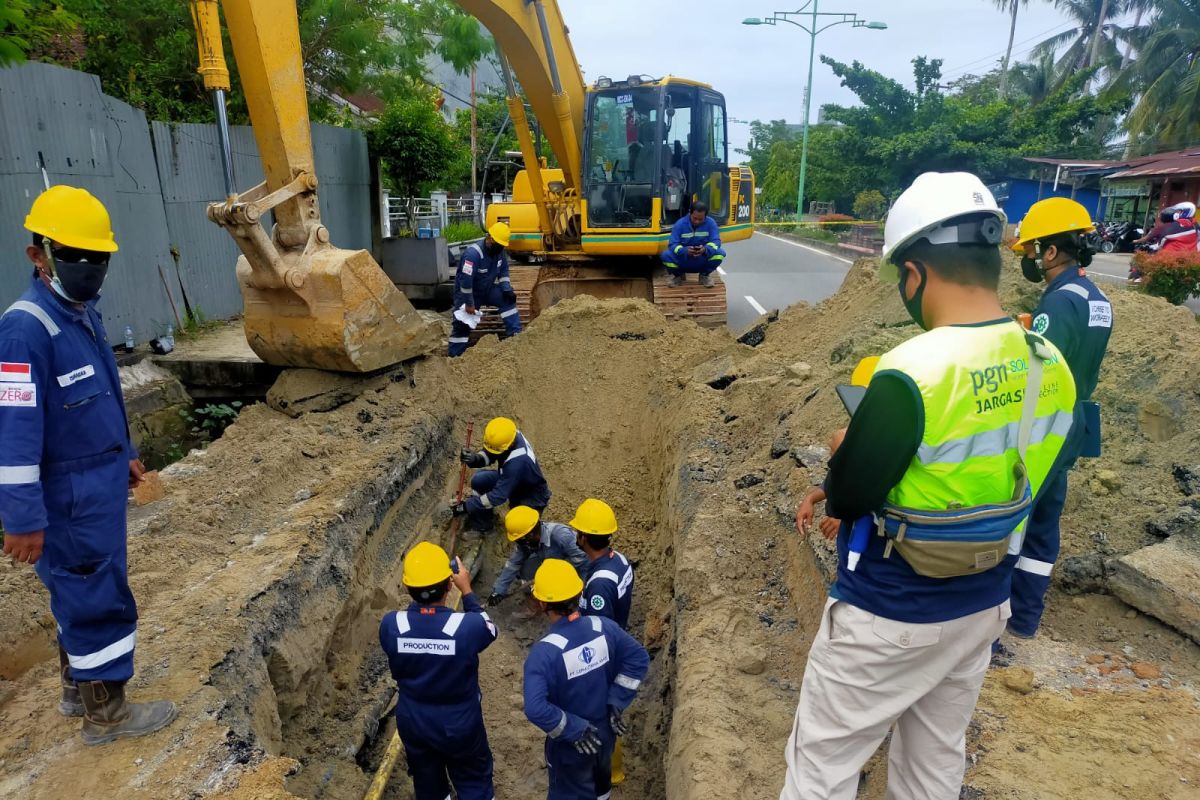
482 280
695 246
433 652
517 480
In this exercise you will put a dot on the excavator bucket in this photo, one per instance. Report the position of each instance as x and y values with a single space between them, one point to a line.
345 316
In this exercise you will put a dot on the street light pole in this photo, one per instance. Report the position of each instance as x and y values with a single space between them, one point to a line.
812 50
810 9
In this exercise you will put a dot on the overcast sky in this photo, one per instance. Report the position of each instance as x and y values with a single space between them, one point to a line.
761 70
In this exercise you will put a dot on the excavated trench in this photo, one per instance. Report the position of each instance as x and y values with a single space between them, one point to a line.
712 602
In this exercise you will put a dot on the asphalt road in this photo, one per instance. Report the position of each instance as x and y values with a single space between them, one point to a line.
766 273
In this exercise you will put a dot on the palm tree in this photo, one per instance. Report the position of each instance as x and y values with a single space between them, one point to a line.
1093 39
1168 111
1034 81
1011 6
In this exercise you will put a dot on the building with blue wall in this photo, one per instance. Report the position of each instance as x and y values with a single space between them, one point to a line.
1016 195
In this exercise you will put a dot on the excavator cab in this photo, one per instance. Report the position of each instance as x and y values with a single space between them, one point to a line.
653 148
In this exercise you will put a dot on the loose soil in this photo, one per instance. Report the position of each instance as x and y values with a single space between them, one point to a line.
262 576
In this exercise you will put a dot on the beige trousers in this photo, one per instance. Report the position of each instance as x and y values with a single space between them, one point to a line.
865 674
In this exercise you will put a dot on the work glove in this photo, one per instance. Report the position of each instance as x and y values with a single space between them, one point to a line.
472 458
589 743
617 721
458 507
509 297
494 599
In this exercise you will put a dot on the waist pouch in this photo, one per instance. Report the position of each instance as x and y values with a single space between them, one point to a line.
958 541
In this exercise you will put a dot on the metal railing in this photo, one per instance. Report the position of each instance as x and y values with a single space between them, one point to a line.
434 212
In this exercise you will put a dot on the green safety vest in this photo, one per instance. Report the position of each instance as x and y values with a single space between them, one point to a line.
972 383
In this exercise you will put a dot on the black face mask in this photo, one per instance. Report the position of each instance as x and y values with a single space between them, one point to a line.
494 249
1032 270
913 306
78 274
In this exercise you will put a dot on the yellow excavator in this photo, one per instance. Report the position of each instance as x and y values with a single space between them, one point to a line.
633 155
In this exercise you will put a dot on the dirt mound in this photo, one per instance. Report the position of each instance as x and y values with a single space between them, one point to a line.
262 577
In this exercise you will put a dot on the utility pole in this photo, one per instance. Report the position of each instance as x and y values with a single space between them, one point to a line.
474 135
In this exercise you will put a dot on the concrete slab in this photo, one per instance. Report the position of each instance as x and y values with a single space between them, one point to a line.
219 364
1163 580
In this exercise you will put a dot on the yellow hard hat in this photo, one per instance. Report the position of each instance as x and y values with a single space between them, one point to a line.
520 521
1050 216
73 218
499 435
864 371
595 517
500 233
556 580
426 565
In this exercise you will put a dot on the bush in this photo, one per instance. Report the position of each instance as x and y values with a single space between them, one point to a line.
462 232
836 223
869 204
814 234
1172 276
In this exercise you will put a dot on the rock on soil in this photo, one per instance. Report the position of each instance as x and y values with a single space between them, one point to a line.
1164 581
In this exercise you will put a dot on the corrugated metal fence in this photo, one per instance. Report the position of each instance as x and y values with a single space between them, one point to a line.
156 179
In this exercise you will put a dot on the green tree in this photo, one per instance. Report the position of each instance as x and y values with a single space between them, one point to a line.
869 204
145 50
1012 7
1093 39
34 29
897 133
1167 114
763 136
495 136
779 181
416 144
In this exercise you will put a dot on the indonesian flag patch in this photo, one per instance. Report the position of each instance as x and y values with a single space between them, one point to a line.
14 372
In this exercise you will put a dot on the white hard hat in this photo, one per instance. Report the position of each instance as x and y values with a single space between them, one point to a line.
933 199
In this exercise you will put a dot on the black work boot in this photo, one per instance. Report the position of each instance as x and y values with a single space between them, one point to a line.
70 705
107 717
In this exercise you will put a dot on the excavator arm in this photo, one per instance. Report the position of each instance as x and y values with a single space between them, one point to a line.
307 303
533 38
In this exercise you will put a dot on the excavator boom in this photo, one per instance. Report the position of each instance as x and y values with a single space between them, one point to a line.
307 303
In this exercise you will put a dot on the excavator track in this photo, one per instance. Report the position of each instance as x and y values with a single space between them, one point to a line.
539 287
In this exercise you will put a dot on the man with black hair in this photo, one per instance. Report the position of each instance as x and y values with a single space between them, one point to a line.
1077 317
694 246
579 679
957 430
433 652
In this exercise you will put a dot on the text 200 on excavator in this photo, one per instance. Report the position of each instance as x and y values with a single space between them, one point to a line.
632 154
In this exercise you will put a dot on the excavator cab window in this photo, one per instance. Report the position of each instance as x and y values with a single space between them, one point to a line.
696 160
621 170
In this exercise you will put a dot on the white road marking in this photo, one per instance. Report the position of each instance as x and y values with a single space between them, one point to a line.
806 247
721 271
754 304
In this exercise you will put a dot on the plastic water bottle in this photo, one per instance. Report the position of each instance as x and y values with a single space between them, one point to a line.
128 339
170 337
